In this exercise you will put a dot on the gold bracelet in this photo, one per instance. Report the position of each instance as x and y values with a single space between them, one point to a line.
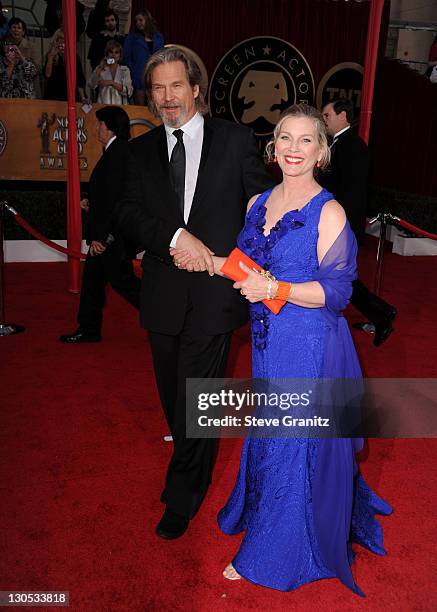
271 279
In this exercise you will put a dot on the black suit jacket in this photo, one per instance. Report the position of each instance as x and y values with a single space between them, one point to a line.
347 178
230 173
105 189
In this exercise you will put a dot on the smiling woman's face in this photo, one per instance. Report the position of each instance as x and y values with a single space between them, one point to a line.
297 147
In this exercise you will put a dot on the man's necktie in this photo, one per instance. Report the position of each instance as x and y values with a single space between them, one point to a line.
177 168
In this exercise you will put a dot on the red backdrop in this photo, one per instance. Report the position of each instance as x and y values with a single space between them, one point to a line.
327 32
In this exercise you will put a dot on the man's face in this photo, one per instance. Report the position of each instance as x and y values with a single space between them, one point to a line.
110 23
173 95
334 123
103 134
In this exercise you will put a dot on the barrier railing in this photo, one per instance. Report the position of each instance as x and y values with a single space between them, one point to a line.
386 219
9 328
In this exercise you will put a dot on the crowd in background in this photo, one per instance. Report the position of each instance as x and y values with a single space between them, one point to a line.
117 61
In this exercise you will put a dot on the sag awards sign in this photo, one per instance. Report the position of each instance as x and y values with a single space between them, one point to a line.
258 79
34 136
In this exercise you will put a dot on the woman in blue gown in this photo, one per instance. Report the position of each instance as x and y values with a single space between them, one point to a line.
301 502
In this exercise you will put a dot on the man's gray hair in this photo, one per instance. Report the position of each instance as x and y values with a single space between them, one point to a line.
192 70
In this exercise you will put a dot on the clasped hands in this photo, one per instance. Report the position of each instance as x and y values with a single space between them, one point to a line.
192 255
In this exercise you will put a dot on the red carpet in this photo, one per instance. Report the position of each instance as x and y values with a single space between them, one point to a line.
82 463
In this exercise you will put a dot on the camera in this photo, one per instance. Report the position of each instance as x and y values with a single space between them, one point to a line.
110 60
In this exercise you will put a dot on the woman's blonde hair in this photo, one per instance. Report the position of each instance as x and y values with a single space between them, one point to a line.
58 35
302 110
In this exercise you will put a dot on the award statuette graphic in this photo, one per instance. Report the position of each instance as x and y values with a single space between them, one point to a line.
257 80
44 124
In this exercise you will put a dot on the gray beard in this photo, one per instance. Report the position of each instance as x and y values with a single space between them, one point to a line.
173 123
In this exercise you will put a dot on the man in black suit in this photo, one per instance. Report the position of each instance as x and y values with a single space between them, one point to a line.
347 180
109 258
187 188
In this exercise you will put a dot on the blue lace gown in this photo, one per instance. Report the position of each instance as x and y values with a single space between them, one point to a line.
301 502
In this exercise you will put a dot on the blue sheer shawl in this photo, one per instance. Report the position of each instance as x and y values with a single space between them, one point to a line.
333 485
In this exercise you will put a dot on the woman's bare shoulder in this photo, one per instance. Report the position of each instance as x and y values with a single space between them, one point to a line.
332 215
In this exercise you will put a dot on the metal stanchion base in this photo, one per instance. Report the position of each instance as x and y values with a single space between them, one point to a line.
7 329
367 327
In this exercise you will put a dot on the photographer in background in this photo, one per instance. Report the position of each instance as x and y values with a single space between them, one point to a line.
17 73
56 75
17 35
112 80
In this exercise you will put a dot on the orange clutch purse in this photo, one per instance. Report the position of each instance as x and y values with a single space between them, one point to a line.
232 269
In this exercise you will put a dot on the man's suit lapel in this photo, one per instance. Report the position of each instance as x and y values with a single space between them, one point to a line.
202 176
163 152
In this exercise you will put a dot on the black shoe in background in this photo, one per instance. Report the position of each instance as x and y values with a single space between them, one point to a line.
80 336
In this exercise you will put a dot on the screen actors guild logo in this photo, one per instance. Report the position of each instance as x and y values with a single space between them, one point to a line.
257 80
3 137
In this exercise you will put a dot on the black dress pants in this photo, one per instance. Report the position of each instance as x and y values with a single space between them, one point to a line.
191 354
112 267
369 304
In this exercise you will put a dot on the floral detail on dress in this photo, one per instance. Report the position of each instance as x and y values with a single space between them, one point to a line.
259 247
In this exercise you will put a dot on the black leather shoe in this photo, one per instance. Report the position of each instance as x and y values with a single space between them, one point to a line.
80 336
384 328
171 525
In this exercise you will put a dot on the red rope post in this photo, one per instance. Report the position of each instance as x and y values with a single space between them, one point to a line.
74 222
6 329
373 30
380 254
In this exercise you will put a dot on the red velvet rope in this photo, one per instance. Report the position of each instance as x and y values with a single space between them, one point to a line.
416 230
25 225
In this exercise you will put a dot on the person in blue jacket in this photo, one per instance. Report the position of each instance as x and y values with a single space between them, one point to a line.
139 45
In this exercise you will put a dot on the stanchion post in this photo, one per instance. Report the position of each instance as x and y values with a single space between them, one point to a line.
380 254
6 329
